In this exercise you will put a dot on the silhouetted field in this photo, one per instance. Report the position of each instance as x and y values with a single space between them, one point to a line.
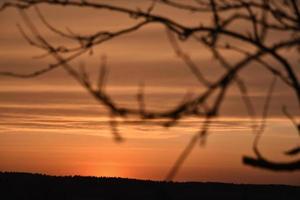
37 186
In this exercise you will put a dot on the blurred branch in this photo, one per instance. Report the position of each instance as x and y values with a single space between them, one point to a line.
260 130
260 19
187 60
274 166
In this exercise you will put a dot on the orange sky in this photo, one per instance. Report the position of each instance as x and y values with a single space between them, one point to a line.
51 125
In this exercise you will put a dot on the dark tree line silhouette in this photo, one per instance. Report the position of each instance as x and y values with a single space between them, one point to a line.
262 18
38 186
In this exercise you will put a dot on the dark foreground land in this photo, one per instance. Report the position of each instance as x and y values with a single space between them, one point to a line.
36 186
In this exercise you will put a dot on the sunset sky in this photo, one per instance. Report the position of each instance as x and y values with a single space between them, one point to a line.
50 124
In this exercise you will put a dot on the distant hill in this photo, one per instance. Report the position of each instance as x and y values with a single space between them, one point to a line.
37 186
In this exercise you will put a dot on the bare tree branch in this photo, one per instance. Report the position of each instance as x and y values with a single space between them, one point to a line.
261 18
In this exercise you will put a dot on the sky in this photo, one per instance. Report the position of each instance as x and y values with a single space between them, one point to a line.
49 124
